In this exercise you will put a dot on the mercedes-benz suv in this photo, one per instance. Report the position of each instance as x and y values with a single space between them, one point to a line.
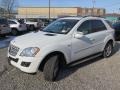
60 43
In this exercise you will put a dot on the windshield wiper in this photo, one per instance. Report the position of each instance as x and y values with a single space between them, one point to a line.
51 31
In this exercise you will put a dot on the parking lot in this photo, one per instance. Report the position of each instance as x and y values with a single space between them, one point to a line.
97 74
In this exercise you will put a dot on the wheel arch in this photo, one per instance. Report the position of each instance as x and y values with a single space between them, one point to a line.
14 28
109 41
62 58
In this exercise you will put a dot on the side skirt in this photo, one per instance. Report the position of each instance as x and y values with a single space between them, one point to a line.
76 62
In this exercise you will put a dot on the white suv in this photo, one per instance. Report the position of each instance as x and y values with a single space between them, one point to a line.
17 26
62 42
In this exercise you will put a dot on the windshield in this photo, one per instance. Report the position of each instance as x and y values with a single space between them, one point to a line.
62 26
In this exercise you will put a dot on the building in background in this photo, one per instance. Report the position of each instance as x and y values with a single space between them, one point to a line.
55 12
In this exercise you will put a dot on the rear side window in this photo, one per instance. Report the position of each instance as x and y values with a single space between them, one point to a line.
85 27
98 25
12 22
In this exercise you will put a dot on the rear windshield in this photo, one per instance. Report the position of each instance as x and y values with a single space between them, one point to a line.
3 21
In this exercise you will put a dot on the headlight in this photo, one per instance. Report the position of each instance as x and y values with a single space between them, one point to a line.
30 52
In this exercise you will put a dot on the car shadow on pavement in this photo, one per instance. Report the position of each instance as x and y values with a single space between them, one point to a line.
71 69
64 73
116 48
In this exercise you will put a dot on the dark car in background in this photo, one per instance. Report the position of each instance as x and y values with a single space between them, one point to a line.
4 27
116 26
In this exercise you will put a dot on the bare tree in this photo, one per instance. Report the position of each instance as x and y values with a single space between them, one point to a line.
9 6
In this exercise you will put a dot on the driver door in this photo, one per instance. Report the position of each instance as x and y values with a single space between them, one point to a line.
83 47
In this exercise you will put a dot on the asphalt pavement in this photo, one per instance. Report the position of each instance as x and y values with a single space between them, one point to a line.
96 74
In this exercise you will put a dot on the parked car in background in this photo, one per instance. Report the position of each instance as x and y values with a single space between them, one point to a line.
62 42
32 24
4 27
116 26
17 26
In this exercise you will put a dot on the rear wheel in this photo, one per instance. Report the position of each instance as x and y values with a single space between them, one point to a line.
108 50
51 68
32 27
14 32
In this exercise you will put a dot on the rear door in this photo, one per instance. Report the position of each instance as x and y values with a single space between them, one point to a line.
98 35
92 41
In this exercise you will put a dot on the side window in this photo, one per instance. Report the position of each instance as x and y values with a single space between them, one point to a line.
85 27
98 25
12 22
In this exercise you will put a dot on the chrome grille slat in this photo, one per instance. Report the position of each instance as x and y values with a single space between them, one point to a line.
13 50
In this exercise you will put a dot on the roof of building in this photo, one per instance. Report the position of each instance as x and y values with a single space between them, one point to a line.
60 7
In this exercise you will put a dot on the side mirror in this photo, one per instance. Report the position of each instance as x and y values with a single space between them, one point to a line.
78 35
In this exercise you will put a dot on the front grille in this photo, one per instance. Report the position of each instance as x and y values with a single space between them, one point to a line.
13 50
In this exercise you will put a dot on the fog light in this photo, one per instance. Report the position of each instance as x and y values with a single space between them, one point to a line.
25 64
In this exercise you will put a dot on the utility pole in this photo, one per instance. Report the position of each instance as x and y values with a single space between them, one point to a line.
49 9
93 2
119 10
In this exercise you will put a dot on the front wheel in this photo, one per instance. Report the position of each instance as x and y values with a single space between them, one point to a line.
108 50
51 68
14 32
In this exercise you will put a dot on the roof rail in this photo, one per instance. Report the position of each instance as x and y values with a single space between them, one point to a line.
91 16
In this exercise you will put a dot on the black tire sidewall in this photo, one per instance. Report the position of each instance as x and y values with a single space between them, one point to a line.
14 32
49 69
31 27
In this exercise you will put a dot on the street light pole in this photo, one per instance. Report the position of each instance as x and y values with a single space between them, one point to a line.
49 9
93 2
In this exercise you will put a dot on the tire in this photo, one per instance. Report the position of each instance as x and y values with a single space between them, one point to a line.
108 50
32 28
14 32
51 68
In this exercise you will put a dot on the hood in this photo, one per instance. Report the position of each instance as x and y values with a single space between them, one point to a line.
37 39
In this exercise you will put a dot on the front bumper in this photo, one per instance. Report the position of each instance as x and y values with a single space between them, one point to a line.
25 64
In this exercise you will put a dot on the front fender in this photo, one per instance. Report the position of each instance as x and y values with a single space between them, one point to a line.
50 49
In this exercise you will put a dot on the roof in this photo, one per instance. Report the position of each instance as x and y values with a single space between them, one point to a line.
79 18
